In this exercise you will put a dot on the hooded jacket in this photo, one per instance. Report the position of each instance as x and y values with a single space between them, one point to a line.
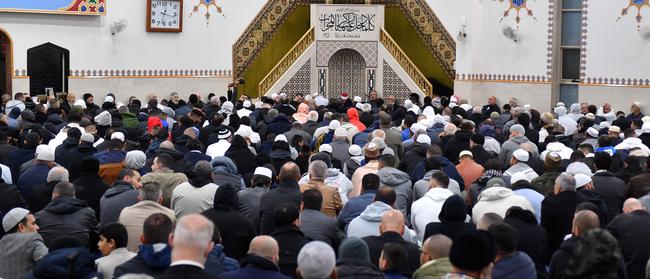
90 188
354 208
401 183
279 125
236 230
498 200
76 155
290 240
427 209
532 238
225 172
287 191
452 219
421 187
66 216
151 260
193 197
241 156
524 189
116 198
353 114
367 223
249 203
415 154
354 261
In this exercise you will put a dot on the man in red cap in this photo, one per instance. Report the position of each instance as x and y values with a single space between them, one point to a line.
347 102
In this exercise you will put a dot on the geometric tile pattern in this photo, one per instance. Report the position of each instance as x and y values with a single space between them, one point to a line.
393 85
617 81
274 13
347 73
300 82
583 41
325 50
549 44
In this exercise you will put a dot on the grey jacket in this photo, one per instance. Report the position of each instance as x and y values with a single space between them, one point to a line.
340 150
511 145
318 226
422 186
249 203
401 183
20 251
367 224
116 198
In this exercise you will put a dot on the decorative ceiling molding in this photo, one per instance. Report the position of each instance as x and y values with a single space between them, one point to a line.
274 13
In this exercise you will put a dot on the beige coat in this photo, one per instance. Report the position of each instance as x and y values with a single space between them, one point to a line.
133 217
168 181
370 167
332 204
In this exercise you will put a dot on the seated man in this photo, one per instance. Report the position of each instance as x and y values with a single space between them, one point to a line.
261 261
112 245
21 246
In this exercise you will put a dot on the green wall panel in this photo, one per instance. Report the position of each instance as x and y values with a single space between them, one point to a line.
295 26
400 28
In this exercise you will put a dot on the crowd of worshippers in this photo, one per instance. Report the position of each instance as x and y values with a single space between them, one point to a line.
309 187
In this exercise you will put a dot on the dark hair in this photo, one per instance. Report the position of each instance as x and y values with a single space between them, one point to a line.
602 161
3 136
395 256
74 133
32 139
603 141
216 235
524 120
492 164
285 214
506 107
156 228
124 173
576 156
117 232
115 144
441 177
15 228
260 181
386 195
592 108
312 199
165 160
586 206
370 182
193 99
432 163
587 146
506 237
388 160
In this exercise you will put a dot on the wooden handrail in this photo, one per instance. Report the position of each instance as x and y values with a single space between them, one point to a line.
406 63
285 63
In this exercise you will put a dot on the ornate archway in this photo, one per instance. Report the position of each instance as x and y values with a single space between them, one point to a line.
6 63
347 73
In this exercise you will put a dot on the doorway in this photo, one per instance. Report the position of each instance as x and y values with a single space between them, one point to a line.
347 73
6 63
48 66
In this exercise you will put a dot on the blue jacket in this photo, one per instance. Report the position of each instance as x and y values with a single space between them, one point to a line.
447 167
354 207
55 265
217 262
518 265
110 156
32 177
147 261
193 157
253 266
361 138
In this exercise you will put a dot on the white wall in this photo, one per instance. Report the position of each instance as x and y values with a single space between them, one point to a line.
614 48
198 47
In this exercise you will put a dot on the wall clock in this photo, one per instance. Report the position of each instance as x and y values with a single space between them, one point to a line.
164 15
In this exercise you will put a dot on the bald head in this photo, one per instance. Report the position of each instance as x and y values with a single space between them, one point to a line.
435 247
632 205
289 171
264 246
583 221
392 221
167 145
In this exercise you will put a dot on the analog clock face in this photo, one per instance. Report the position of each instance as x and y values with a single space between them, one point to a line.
165 14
